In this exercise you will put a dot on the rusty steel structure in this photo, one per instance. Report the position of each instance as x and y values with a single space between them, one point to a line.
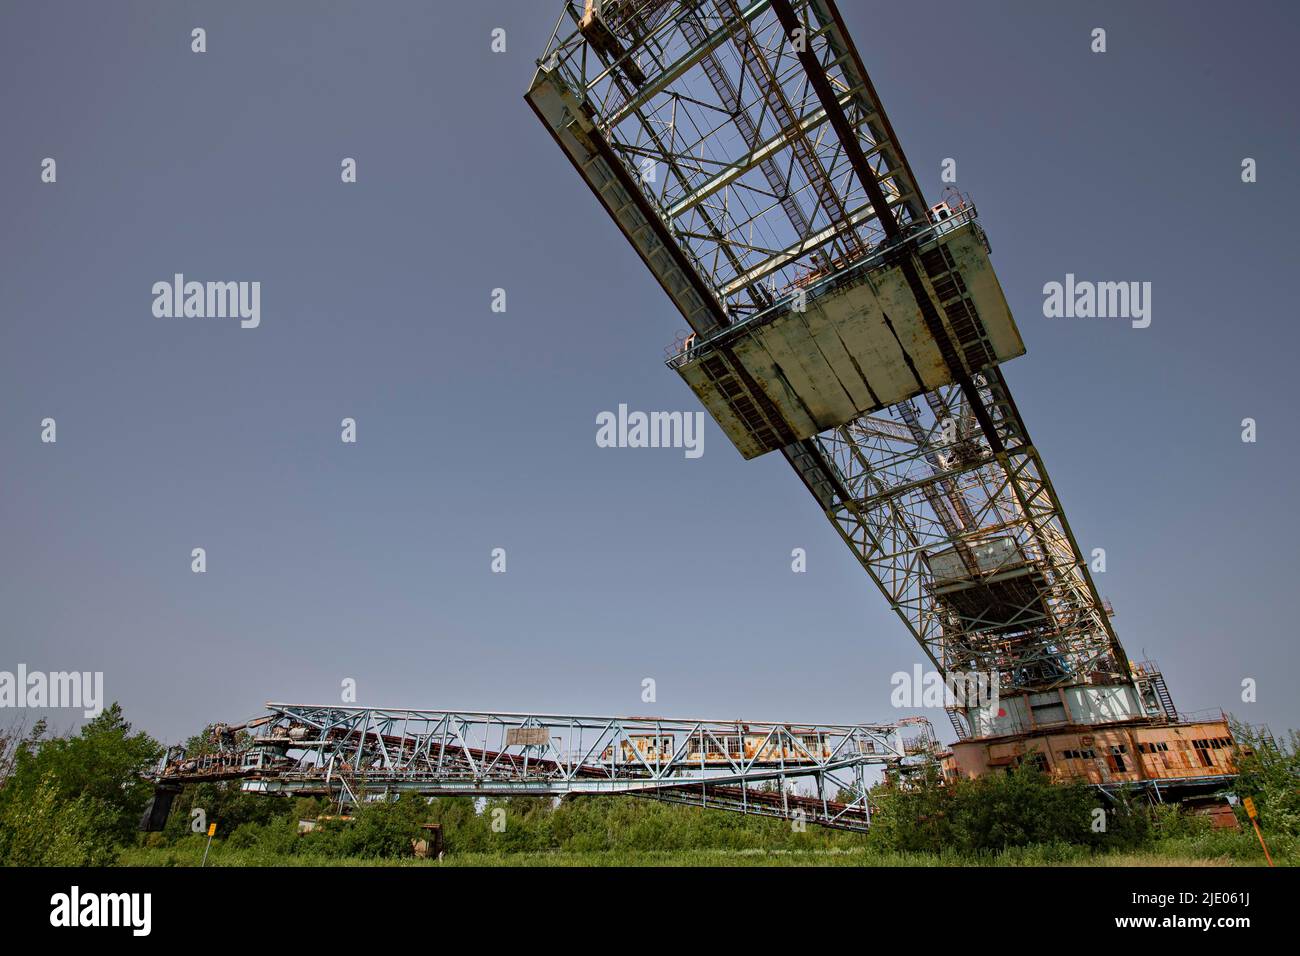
353 754
743 151
838 319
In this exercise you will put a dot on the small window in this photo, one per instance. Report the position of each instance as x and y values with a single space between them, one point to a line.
1036 759
1115 759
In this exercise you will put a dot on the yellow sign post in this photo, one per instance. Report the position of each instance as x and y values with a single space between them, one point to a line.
1249 804
212 831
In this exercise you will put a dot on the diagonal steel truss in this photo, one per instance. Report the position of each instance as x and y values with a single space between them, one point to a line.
359 753
727 138
742 149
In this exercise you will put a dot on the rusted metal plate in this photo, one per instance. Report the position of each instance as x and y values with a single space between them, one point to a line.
859 344
526 737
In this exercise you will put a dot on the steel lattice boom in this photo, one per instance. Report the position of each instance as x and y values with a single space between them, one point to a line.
358 753
741 148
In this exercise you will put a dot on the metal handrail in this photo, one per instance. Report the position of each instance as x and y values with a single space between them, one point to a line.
917 238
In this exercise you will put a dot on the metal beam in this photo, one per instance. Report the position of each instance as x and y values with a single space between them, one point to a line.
843 128
351 752
748 162
676 70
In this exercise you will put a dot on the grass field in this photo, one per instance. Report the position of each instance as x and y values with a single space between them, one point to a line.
1209 850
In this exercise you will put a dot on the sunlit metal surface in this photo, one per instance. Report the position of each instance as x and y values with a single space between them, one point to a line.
744 167
357 753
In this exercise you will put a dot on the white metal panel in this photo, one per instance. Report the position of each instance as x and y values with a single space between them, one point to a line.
985 291
900 318
1012 717
846 368
717 406
784 359
1099 703
856 349
993 555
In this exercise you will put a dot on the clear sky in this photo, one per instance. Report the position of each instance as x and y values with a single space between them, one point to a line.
476 430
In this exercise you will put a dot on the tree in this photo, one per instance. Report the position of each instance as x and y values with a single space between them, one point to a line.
82 794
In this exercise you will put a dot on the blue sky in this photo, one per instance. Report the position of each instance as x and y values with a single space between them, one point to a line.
476 429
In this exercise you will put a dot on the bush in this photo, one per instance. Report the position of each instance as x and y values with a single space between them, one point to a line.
44 830
1270 775
246 835
75 800
998 812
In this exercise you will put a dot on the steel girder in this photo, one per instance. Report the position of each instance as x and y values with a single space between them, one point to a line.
737 122
911 497
358 753
726 136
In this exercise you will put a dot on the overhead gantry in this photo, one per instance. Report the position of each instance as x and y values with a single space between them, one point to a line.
835 317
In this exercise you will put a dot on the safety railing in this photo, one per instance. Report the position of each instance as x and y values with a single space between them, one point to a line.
804 291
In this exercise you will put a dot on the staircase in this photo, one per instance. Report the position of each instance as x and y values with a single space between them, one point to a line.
1162 692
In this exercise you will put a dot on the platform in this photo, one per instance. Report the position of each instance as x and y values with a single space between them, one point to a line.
861 343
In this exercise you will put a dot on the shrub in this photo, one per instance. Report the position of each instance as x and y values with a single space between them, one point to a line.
43 830
1270 775
74 800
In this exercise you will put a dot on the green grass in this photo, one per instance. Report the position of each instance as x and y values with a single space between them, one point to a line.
1207 850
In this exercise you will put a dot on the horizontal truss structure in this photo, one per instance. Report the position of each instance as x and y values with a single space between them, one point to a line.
741 147
357 753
